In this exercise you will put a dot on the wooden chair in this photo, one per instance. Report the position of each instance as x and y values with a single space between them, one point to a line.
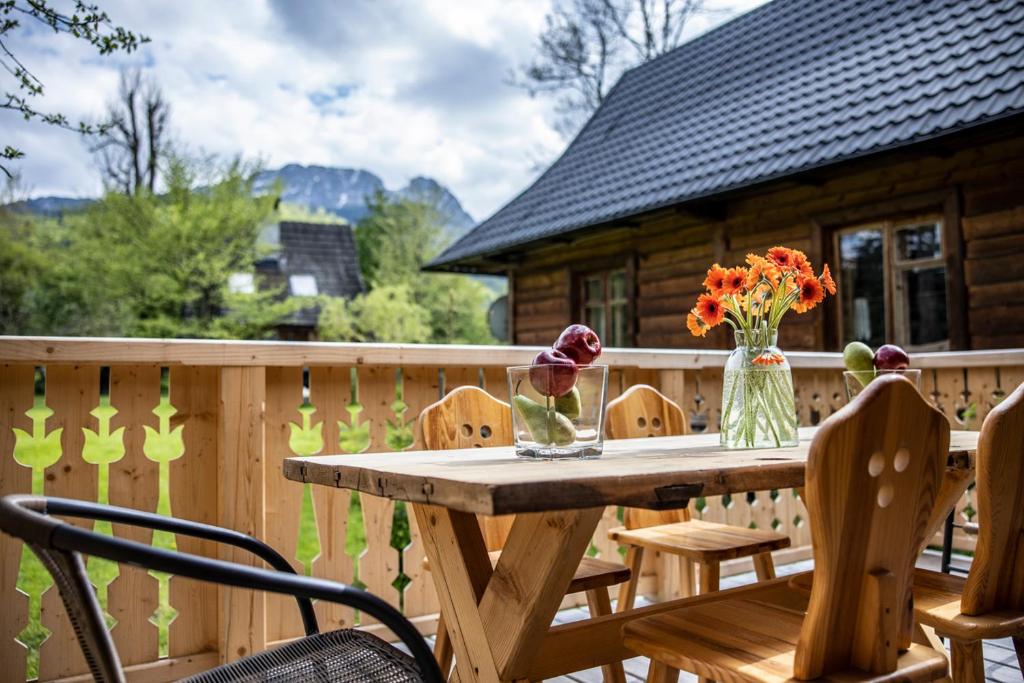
873 474
641 412
469 417
989 603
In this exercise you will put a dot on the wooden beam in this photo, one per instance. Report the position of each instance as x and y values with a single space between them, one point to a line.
241 473
461 570
956 287
533 573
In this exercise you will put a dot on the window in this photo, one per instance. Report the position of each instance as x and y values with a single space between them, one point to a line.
893 285
605 306
241 283
302 285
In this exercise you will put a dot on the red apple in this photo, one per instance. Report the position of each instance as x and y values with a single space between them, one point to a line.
891 357
553 373
580 343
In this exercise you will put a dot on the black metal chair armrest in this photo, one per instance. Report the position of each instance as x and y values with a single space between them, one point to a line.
67 507
74 539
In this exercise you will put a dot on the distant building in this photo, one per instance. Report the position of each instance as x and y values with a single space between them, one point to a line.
310 259
885 138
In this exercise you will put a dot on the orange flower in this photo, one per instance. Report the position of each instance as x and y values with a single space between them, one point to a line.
735 280
695 324
811 294
783 257
715 279
827 281
761 267
710 310
768 359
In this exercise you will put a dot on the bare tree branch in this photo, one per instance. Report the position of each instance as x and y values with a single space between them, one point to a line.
133 141
587 44
85 22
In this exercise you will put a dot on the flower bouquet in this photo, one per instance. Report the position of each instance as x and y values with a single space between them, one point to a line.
759 410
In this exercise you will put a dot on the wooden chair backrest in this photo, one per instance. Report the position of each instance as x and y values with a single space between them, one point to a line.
469 417
996 579
640 412
873 474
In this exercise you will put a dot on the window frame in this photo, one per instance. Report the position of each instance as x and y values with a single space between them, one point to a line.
583 303
897 321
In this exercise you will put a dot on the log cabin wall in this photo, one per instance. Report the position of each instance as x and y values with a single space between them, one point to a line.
974 183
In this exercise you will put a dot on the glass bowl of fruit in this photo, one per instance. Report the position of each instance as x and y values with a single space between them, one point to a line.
558 401
863 365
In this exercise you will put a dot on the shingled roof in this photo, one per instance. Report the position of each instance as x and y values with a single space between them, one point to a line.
325 253
791 86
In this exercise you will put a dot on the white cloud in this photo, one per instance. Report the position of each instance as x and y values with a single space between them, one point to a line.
398 88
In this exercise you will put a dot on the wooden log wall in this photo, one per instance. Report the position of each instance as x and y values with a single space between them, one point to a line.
975 184
199 430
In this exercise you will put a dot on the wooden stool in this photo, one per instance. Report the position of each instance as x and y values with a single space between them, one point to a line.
873 476
989 603
469 417
644 411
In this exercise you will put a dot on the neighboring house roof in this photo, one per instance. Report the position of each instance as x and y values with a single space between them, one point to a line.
311 259
788 87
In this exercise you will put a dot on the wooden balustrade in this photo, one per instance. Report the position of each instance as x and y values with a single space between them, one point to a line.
198 429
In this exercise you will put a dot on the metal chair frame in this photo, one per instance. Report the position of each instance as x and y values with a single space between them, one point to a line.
60 546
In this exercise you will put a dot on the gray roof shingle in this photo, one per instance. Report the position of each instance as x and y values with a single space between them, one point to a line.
790 86
327 252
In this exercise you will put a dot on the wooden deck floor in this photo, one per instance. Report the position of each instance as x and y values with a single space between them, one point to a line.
1000 657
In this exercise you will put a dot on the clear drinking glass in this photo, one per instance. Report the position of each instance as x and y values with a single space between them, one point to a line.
856 380
567 426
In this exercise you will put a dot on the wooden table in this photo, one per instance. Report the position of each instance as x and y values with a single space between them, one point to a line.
500 618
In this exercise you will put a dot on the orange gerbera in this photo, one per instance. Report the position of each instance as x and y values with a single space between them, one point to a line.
761 267
783 257
735 280
710 310
768 359
715 279
811 294
827 281
695 324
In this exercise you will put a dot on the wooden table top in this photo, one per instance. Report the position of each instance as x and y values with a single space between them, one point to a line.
654 473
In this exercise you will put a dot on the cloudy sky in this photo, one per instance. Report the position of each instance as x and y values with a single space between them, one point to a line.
398 87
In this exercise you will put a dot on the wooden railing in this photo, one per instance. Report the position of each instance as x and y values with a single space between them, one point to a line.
198 429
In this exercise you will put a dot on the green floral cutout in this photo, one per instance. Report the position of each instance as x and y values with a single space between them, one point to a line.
399 431
307 440
102 448
354 437
163 446
37 451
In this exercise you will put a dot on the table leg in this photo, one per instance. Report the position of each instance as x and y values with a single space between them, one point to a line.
535 569
497 619
461 570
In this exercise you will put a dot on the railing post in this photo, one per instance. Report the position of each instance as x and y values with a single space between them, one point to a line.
242 474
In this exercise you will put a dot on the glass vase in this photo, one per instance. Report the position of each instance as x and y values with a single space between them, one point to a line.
758 406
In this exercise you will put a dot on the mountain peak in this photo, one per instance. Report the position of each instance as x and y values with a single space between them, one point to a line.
346 192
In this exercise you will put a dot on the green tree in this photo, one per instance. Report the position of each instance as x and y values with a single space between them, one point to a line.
384 314
148 265
405 304
397 239
85 22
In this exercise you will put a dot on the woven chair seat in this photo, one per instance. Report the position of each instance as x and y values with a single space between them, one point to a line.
345 655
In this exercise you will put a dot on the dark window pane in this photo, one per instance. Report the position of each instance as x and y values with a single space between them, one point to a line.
619 331
617 284
919 241
925 292
595 290
862 293
594 319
